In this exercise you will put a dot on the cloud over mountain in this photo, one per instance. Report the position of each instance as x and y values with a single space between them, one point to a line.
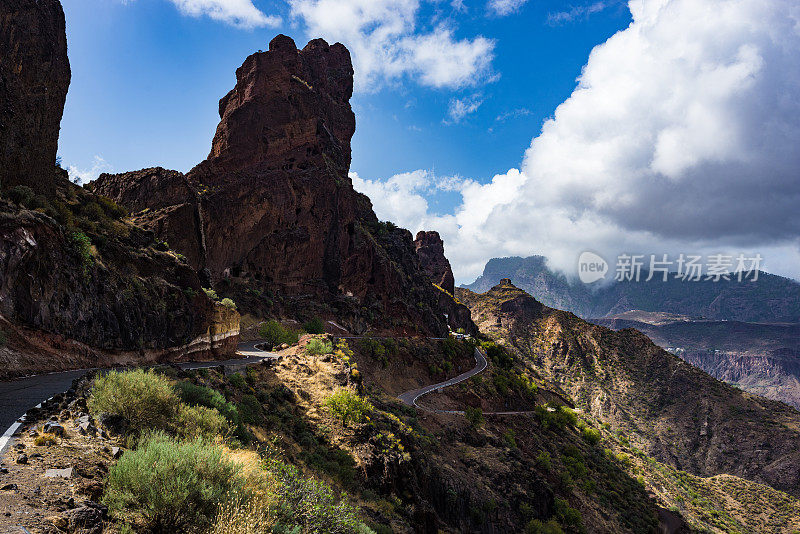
384 39
681 135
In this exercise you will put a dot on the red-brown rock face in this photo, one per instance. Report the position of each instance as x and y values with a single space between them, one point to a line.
430 249
273 203
34 78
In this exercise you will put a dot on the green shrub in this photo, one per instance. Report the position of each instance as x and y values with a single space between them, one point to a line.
228 303
544 460
274 334
203 396
510 438
317 347
145 399
474 416
250 410
82 246
559 418
210 293
347 406
170 485
200 422
237 380
20 194
591 435
314 326
308 505
535 526
566 515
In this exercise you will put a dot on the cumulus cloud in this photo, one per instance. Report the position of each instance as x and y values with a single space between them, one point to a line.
458 108
383 38
681 136
505 7
239 13
83 176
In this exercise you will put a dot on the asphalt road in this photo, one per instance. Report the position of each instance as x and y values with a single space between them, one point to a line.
19 396
410 397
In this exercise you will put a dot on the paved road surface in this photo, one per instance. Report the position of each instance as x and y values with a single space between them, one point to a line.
18 396
410 397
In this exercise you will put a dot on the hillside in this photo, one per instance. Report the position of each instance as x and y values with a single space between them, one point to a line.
761 358
79 285
772 299
675 413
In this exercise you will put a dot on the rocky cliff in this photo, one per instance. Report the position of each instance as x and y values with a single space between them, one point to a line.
79 286
430 249
34 78
272 210
673 411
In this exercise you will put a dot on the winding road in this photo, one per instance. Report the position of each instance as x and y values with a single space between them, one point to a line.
20 395
410 397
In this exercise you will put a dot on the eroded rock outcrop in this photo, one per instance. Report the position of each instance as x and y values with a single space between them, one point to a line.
430 249
34 78
79 286
273 205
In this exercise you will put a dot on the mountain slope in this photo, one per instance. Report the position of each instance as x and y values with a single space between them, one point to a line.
769 299
761 358
673 411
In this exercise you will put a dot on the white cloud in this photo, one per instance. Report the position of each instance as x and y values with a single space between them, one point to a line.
461 107
239 13
513 114
681 136
83 176
505 7
383 39
579 12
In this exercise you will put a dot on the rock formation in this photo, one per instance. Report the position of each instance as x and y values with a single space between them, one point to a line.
273 205
34 78
430 249
79 287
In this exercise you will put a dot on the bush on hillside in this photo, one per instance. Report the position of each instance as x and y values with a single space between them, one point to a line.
474 416
318 347
200 422
195 395
274 334
346 406
308 505
228 303
171 486
314 326
145 399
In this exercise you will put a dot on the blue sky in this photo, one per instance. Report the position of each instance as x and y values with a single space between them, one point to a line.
513 127
147 78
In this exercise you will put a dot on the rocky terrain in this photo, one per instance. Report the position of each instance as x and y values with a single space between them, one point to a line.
430 249
34 78
770 299
673 411
79 286
761 358
273 210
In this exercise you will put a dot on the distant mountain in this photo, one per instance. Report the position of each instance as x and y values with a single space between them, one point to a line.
771 298
760 358
668 409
